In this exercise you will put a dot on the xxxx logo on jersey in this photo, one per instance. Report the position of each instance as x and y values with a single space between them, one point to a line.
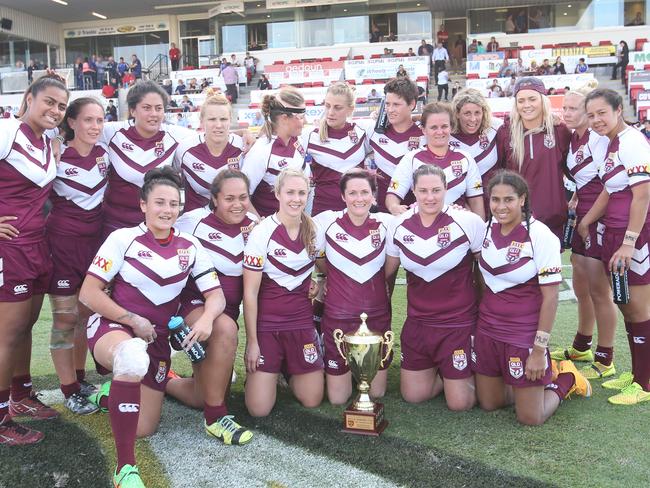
253 261
245 231
102 263
233 163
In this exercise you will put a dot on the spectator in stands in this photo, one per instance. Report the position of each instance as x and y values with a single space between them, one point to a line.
111 112
387 53
79 72
521 22
186 104
581 67
122 68
249 62
174 56
8 112
108 91
493 45
233 60
192 84
30 70
374 95
231 79
425 49
263 83
638 19
496 92
128 79
520 68
422 95
410 52
545 68
510 87
623 54
443 36
20 66
258 121
88 75
461 47
510 27
443 83
111 69
455 89
222 65
100 62
473 47
480 48
439 57
375 33
204 83
401 72
136 67
167 86
180 88
505 70
558 67
182 120
567 89
551 91
646 128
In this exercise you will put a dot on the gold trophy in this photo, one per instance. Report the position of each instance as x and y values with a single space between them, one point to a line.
363 353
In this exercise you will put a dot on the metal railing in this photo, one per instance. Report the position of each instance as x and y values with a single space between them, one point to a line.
159 69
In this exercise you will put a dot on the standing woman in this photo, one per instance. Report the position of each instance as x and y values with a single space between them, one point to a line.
534 147
522 270
355 253
27 170
461 172
587 152
280 335
335 147
223 230
202 157
436 243
624 203
279 147
74 229
623 55
149 266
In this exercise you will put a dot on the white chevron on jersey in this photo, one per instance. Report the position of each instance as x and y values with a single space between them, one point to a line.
338 154
358 258
627 162
585 156
389 148
84 187
482 148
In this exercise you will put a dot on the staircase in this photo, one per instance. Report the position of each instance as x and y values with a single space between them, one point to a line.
603 75
244 98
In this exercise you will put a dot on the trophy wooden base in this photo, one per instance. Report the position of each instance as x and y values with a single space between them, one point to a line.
364 423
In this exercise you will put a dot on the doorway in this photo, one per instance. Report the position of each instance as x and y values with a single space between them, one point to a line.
457 28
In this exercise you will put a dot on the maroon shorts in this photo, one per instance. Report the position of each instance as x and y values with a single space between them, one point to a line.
595 248
446 349
498 359
25 271
191 299
290 351
639 272
334 363
159 352
71 258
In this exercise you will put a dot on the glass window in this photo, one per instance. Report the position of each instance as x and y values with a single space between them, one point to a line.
233 38
281 34
350 29
193 28
413 25
635 12
81 47
317 32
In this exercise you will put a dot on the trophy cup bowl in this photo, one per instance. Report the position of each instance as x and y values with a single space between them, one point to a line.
363 352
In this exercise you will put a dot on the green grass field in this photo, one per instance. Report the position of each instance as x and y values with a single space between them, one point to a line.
587 442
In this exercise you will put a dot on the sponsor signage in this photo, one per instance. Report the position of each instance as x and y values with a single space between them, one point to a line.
109 30
326 72
271 4
385 68
227 7
498 55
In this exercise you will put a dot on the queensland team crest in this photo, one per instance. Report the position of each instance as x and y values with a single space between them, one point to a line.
483 141
514 251
245 232
299 148
159 149
457 168
233 163
459 359
414 143
375 238
444 237
486 243
609 162
310 353
516 367
580 156
183 258
102 166
549 142
161 374
354 138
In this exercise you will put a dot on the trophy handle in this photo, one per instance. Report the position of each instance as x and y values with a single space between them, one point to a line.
338 339
388 341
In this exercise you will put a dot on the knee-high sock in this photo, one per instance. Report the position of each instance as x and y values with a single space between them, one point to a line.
124 412
641 353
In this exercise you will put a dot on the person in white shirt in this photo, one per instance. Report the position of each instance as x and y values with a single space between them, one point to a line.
439 57
443 84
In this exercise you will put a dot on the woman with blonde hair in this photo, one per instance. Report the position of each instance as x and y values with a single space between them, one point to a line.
336 146
279 258
535 147
278 148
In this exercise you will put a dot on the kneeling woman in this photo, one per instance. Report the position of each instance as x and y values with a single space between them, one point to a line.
280 335
149 266
223 233
435 244
355 254
522 269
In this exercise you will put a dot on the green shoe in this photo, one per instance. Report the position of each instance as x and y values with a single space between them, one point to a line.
103 391
597 371
128 477
573 354
229 431
623 381
630 395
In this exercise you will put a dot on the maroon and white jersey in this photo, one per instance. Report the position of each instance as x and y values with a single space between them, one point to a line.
514 267
199 167
149 276
461 172
438 261
355 264
585 155
27 170
78 193
264 162
391 146
481 147
131 156
627 164
283 302
343 150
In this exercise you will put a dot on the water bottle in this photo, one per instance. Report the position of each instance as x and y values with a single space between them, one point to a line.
569 229
382 118
620 288
179 331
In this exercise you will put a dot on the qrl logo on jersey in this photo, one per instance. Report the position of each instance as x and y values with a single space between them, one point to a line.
159 150
280 253
444 237
198 167
457 168
245 232
214 236
183 258
549 142
102 166
341 237
102 263
127 147
408 239
233 163
375 238
310 353
483 141
299 148
514 251
609 162
354 138
161 374
459 359
72 172
516 368
414 143
486 243
580 156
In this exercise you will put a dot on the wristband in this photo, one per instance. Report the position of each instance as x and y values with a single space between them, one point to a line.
630 238
541 339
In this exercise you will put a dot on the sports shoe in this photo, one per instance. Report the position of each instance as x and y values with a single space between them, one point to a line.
173 375
573 355
623 381
229 431
96 397
13 434
31 407
581 385
597 371
233 378
128 477
87 389
630 395
79 404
